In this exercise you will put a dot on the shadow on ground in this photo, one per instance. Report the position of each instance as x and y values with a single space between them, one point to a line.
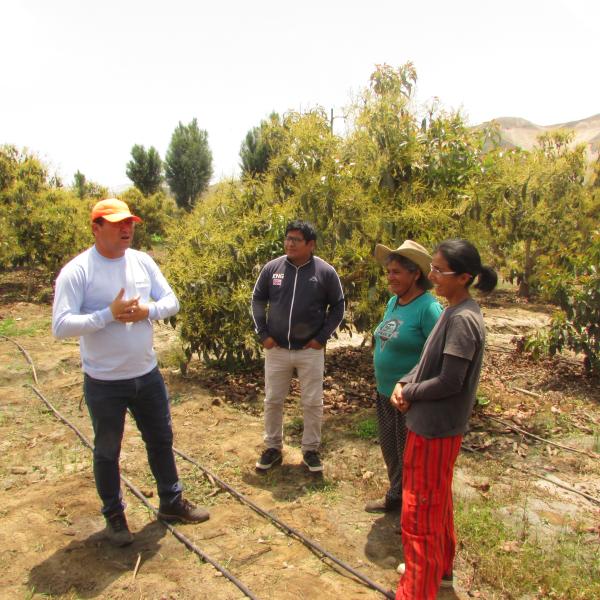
287 482
384 545
384 548
87 567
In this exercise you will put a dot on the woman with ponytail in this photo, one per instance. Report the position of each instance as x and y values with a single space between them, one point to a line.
437 397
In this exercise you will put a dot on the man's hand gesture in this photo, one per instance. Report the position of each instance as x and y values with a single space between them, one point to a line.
128 311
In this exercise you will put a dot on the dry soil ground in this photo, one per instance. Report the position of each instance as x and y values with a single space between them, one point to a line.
50 545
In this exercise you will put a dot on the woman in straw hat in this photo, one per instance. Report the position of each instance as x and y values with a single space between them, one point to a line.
409 316
437 397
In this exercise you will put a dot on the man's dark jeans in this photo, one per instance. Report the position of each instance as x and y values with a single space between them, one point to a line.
147 399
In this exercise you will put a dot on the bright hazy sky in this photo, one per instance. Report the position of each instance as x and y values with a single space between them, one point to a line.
81 82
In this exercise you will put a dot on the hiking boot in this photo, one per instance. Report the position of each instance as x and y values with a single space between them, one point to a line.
182 510
381 505
117 531
269 458
313 461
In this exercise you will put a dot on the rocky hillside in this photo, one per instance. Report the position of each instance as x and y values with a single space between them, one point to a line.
520 132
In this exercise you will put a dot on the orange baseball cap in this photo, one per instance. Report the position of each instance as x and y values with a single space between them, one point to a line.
113 210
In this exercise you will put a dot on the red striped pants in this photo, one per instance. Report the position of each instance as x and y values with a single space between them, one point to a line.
427 515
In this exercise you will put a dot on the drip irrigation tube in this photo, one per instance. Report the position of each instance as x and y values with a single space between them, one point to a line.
25 354
136 492
286 528
289 530
541 439
213 478
190 545
592 499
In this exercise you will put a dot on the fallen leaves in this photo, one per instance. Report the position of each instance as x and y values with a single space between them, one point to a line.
510 546
521 448
482 487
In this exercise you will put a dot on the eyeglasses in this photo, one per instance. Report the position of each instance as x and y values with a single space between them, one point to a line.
290 239
437 271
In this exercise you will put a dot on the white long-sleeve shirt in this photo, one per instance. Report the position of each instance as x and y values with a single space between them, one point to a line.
86 286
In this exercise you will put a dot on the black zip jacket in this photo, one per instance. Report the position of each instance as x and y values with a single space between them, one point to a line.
304 303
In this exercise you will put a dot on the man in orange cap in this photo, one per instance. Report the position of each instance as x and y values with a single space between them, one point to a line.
108 296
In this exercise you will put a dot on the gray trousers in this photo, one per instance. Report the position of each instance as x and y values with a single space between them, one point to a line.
279 369
392 439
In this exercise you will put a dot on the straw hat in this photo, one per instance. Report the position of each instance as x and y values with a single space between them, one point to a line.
408 249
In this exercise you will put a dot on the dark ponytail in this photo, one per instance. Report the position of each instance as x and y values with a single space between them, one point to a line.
487 279
463 257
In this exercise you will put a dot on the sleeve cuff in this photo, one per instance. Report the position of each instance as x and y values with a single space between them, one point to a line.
152 311
106 315
407 392
322 339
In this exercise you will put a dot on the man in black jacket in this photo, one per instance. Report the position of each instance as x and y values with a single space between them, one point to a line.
297 303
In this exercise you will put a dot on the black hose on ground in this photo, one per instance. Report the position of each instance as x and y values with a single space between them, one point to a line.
136 492
289 530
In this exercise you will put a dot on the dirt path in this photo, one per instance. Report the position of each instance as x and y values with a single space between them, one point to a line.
50 544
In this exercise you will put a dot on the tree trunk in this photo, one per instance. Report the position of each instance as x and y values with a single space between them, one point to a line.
524 286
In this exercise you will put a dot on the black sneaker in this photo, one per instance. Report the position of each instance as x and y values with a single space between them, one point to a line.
183 510
117 531
269 458
313 461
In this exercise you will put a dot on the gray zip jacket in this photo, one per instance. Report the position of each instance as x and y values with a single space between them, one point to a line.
304 303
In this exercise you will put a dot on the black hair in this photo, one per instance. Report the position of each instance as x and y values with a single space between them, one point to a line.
463 257
98 221
308 231
422 283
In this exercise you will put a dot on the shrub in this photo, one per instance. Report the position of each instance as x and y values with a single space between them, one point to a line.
214 258
156 212
576 326
41 226
341 186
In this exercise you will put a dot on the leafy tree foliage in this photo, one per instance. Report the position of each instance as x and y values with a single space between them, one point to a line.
387 181
188 164
215 255
576 326
51 228
79 184
254 153
145 169
399 173
534 206
41 225
420 171
156 211
88 189
259 145
387 135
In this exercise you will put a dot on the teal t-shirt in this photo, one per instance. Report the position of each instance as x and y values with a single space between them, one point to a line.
400 337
